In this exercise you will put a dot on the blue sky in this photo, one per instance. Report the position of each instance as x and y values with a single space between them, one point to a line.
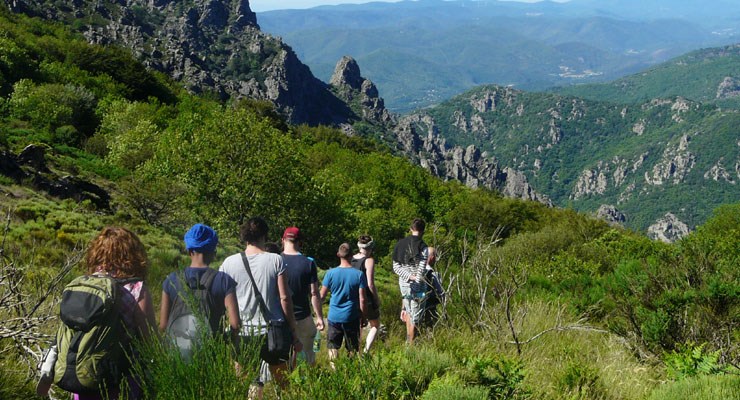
267 5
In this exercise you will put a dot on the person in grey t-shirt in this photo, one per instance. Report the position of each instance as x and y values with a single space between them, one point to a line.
268 271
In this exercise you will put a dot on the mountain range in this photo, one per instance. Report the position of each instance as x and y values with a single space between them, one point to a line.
638 149
420 53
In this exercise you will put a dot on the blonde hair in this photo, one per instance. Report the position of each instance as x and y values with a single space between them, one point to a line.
119 252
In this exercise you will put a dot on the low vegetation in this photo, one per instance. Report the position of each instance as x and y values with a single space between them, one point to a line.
541 303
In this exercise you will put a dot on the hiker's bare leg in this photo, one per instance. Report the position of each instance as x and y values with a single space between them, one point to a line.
410 329
255 392
371 333
333 353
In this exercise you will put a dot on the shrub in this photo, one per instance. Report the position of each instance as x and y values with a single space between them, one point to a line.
210 372
690 360
376 377
503 377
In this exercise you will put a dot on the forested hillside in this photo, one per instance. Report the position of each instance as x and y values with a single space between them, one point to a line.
542 303
708 76
645 158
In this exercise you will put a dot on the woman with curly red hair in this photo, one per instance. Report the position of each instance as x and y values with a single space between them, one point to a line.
118 253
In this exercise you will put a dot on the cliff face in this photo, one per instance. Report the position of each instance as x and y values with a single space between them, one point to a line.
648 159
417 138
208 45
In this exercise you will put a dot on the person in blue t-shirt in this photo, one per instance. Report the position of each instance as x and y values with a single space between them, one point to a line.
347 305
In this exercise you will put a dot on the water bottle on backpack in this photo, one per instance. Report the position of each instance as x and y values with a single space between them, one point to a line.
317 342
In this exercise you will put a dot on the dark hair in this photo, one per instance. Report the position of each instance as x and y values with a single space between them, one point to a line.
272 247
253 230
418 225
345 251
365 239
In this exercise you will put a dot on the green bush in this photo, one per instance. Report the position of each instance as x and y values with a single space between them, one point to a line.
210 372
376 377
503 377
581 380
690 360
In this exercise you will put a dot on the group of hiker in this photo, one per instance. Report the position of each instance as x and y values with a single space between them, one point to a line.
271 299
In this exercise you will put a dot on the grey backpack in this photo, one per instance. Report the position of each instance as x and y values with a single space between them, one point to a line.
190 310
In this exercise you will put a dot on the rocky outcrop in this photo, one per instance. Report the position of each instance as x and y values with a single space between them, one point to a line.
674 166
358 92
610 214
668 229
418 138
728 88
719 173
208 45
30 168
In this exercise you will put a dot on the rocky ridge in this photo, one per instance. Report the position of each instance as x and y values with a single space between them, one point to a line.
424 145
217 46
208 45
645 158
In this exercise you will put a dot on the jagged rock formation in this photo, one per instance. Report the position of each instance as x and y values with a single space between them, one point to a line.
208 45
360 93
610 214
728 88
30 168
674 166
668 229
418 138
607 175
718 172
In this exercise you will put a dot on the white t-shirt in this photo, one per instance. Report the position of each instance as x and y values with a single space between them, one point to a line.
265 268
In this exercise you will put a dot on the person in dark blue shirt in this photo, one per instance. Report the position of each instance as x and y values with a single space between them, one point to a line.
200 242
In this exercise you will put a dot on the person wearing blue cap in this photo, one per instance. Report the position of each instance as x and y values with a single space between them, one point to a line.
214 292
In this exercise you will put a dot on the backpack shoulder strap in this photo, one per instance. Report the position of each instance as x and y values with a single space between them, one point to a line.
206 280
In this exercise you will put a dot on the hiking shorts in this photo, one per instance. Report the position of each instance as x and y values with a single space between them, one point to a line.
373 308
414 304
271 358
349 332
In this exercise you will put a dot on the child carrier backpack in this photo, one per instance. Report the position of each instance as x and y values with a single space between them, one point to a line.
92 339
185 324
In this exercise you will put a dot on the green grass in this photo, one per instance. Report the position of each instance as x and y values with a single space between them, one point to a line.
713 387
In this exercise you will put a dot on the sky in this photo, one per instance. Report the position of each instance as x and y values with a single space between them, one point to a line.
267 5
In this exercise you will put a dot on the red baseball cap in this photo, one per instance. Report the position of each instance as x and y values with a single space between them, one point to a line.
292 232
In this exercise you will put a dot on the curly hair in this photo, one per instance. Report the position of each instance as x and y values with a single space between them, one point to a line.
254 230
119 252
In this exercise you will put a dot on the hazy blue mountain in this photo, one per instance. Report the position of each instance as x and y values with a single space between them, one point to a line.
420 53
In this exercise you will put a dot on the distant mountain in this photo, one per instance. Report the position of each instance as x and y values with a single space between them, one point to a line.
708 75
647 159
422 52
